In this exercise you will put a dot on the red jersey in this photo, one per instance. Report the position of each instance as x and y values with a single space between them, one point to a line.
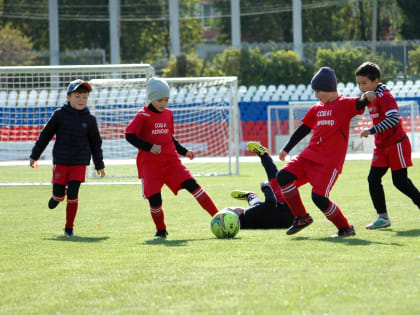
382 104
155 128
330 124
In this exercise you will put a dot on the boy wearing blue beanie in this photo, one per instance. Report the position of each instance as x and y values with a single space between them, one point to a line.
158 163
322 160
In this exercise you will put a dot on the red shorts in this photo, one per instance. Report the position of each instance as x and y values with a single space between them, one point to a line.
396 156
321 177
155 174
62 174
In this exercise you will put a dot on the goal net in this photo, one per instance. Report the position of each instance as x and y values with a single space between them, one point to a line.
205 117
284 119
28 97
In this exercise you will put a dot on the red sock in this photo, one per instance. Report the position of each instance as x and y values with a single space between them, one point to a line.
334 214
158 217
293 200
205 201
71 211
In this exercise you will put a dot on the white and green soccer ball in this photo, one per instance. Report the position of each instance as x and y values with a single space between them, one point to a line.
225 223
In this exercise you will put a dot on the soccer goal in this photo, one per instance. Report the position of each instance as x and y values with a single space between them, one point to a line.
206 121
205 111
28 97
284 119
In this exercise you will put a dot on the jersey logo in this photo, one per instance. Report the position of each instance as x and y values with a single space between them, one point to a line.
84 125
144 114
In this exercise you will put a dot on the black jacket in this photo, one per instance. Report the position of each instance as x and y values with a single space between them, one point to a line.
77 138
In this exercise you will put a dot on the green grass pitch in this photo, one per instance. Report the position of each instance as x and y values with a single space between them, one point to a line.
115 266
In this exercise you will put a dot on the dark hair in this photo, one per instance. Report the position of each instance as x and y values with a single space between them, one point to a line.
81 89
370 70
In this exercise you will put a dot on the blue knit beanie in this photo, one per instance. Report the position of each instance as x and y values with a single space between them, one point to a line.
157 88
324 80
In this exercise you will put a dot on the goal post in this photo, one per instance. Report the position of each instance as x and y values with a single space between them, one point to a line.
206 120
282 120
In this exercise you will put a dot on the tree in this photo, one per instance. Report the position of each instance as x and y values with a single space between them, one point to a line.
189 65
264 27
410 22
15 49
84 24
345 60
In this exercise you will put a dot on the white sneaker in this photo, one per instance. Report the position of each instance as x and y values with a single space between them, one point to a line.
379 223
69 233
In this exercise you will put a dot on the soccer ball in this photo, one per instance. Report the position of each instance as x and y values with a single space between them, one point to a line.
225 223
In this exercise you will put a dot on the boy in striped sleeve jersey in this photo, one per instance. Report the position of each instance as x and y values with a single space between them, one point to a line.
392 146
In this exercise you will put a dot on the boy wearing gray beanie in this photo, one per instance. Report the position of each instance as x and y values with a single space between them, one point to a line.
158 163
322 160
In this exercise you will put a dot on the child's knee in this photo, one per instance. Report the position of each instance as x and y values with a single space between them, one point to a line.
155 200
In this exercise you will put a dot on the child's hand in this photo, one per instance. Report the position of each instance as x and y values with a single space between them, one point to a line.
190 155
101 173
33 163
365 133
156 149
370 96
282 155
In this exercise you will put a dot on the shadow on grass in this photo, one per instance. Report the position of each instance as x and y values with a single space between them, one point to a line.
409 233
167 242
78 239
346 240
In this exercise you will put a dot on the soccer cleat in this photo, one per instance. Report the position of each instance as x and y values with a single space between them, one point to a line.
52 203
161 234
299 223
345 232
241 194
379 223
257 148
69 232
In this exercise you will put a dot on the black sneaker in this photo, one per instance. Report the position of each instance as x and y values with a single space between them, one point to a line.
69 232
52 203
345 232
161 234
299 223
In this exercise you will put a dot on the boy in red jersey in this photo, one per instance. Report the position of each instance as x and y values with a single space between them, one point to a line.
158 163
392 146
77 140
322 160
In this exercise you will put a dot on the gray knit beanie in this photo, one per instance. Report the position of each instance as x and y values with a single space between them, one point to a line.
157 88
324 80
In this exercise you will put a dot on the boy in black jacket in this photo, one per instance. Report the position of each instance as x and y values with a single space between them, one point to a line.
77 139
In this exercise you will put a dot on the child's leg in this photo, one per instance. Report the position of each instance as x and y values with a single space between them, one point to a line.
406 186
331 211
269 166
72 203
200 195
58 195
156 211
270 197
291 193
376 189
253 200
